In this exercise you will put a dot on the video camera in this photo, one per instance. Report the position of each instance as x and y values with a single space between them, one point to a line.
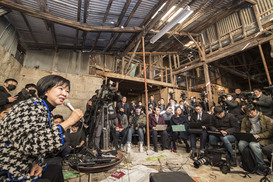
222 98
203 95
109 92
183 95
249 97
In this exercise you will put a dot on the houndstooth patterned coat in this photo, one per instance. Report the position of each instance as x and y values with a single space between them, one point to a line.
27 134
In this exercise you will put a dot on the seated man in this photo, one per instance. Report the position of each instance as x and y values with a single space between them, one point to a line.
137 123
120 127
226 124
260 126
76 137
157 119
199 116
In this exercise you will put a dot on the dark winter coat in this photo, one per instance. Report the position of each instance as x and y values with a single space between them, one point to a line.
228 123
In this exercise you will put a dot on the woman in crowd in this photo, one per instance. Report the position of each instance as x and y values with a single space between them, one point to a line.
27 134
179 119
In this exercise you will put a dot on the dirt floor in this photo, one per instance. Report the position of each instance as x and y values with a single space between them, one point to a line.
166 161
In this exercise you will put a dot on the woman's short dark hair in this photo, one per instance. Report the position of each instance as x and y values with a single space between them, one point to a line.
30 85
48 82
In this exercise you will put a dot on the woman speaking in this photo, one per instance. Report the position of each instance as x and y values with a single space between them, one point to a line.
27 133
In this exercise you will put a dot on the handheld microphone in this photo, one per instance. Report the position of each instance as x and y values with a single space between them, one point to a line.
68 104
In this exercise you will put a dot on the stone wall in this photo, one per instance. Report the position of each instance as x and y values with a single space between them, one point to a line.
82 86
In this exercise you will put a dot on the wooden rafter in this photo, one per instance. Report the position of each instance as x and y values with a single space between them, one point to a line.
86 3
103 21
150 25
66 22
121 16
78 20
126 23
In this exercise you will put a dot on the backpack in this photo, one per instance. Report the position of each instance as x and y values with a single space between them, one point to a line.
248 160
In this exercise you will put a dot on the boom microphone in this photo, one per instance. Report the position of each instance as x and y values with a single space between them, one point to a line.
68 104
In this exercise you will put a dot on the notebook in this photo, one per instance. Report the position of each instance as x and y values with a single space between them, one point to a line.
160 127
178 128
248 137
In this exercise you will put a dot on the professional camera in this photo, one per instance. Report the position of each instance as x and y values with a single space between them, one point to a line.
222 98
183 95
109 92
249 97
200 162
203 95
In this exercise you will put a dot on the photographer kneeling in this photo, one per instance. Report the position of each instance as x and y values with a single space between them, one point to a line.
260 126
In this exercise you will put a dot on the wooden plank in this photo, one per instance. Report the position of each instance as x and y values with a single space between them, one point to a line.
231 38
150 67
174 61
258 16
242 23
154 53
86 3
132 56
122 66
136 79
66 22
43 9
178 61
134 67
166 74
218 35
171 69
161 69
78 20
54 39
265 65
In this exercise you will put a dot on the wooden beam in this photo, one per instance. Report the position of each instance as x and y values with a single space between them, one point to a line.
241 45
86 3
65 22
202 53
178 61
43 10
54 38
161 70
124 9
78 20
241 18
174 61
150 67
122 66
133 55
265 65
166 74
154 53
258 16
136 79
171 69
134 67
150 25
218 35
103 21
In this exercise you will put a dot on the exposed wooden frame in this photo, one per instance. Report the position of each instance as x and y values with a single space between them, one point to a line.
78 19
86 3
132 56
265 65
258 16
136 79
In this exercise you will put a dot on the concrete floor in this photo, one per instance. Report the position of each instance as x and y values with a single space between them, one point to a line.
166 161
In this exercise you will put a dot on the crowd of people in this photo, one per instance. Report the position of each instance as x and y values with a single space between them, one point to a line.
29 132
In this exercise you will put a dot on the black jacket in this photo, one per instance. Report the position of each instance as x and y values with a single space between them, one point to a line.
126 108
228 123
233 106
4 95
264 105
23 95
205 120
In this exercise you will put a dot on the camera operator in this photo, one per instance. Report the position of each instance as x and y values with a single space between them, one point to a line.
260 126
263 103
232 105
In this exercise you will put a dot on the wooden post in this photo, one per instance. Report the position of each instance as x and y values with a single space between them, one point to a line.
265 65
166 74
171 69
146 95
161 68
242 22
178 61
122 66
207 81
174 61
187 83
218 35
150 67
258 16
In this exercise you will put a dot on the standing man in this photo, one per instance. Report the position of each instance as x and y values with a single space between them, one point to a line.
263 103
162 105
125 105
5 96
152 101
